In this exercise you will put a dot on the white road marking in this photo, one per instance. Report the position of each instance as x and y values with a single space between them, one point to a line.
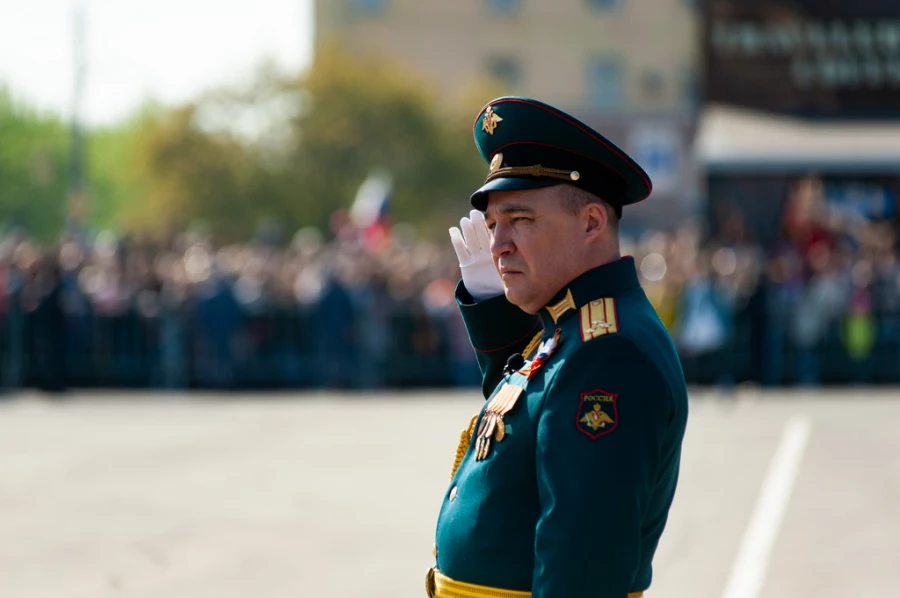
749 571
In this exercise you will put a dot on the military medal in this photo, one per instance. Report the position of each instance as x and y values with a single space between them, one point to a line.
543 353
492 424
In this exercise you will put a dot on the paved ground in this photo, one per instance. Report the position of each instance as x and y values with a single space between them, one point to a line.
199 497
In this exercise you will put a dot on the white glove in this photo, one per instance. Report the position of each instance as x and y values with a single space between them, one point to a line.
473 248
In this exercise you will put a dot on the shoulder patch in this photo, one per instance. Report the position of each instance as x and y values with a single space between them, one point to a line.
532 345
599 318
598 413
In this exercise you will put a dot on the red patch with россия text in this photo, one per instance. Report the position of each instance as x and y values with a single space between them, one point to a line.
598 413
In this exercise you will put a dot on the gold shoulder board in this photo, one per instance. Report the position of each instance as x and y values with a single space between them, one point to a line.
599 318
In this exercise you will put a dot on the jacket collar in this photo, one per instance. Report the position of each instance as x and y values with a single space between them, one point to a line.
609 280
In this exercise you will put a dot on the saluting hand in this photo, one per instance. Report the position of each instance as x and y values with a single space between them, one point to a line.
472 242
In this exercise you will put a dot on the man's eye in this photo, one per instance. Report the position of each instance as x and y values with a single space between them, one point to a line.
520 219
491 226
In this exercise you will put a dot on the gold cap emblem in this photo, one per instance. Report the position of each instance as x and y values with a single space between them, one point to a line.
490 121
496 161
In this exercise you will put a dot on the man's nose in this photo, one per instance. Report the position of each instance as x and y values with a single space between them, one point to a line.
501 241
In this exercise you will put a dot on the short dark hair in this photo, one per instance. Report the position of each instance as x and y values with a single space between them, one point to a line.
575 198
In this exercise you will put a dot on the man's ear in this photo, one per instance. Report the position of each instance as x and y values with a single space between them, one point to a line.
596 220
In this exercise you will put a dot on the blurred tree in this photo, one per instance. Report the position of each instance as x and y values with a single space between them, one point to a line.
186 174
33 171
297 148
362 115
114 181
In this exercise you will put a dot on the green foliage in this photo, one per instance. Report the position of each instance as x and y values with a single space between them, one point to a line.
188 174
296 149
293 149
33 169
114 181
365 115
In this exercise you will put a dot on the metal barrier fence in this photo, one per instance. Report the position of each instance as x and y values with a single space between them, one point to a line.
762 349
278 349
293 348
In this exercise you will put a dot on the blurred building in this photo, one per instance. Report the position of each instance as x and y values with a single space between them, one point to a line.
626 67
793 89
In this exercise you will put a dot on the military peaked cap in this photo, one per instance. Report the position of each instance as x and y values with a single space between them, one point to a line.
530 145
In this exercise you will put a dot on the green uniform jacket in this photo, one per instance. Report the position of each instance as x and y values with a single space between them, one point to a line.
572 499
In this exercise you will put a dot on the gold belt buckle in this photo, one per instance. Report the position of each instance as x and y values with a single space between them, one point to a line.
429 583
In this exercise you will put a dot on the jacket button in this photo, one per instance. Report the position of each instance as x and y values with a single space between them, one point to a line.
453 492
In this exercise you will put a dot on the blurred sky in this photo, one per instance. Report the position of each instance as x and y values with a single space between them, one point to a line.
166 49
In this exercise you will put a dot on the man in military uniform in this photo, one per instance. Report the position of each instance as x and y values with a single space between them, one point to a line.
562 484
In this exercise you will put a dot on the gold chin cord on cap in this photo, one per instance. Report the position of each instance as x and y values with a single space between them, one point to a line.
535 171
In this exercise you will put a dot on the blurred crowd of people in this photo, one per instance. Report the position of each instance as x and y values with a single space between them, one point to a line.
822 306
190 313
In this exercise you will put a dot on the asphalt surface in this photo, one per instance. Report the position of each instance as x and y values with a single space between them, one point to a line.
202 496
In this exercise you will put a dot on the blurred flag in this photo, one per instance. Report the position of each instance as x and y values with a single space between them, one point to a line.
370 210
